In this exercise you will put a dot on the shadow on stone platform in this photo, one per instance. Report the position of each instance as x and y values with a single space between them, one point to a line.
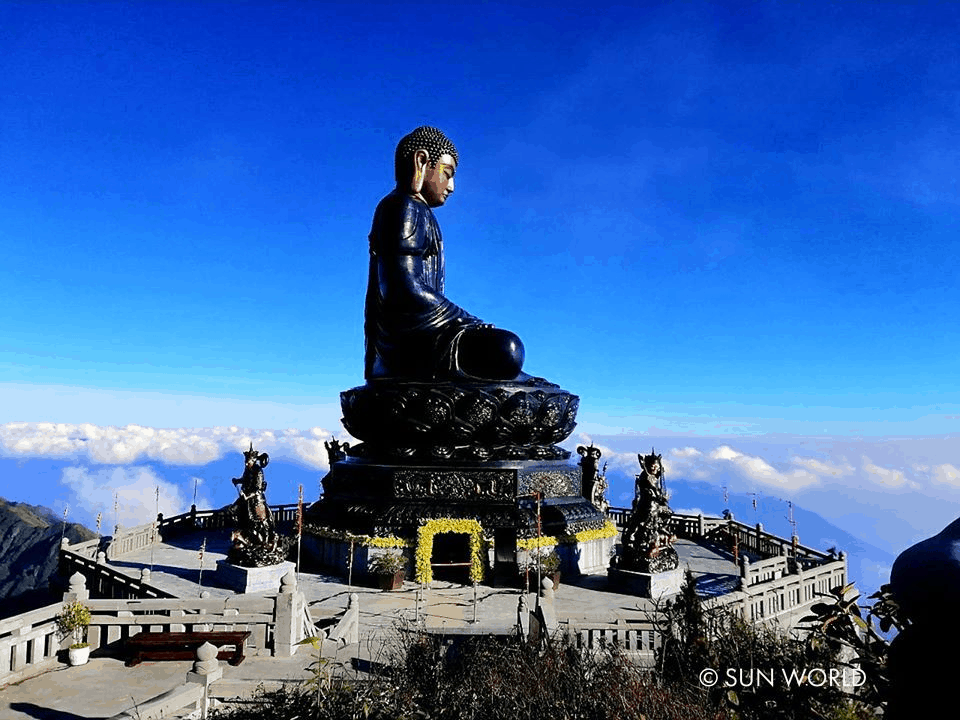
42 713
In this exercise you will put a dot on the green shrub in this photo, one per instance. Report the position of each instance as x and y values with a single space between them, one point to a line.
73 620
487 678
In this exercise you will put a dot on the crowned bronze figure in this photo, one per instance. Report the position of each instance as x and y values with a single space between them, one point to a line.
255 542
646 542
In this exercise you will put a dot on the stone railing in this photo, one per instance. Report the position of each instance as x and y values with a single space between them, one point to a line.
103 580
639 638
127 540
28 643
779 599
283 515
752 539
87 549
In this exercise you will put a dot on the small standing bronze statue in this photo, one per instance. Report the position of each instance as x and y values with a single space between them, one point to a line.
647 543
255 542
593 482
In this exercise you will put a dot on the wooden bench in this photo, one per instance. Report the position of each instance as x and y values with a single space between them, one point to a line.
183 645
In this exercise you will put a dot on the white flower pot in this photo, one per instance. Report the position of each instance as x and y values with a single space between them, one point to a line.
79 656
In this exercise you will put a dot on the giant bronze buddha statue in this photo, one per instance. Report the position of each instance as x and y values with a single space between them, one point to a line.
441 384
412 330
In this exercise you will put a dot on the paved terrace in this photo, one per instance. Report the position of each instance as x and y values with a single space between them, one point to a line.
104 687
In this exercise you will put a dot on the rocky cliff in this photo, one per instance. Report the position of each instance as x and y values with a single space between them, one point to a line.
29 539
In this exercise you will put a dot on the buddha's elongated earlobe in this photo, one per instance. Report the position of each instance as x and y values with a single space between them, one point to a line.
420 159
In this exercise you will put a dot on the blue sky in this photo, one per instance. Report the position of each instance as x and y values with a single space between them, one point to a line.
723 225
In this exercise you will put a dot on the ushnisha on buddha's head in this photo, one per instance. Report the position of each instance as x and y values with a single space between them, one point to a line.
425 164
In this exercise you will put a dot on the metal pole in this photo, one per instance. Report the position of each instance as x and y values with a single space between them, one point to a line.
153 531
203 546
474 601
539 550
350 565
416 617
299 529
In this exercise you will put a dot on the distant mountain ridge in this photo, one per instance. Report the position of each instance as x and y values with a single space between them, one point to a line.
29 543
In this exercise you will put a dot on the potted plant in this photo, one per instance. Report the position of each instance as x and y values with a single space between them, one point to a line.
549 564
389 569
73 621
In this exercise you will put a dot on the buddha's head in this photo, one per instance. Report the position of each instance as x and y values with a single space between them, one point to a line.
424 165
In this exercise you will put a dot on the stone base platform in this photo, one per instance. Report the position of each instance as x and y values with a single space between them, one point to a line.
376 498
647 585
252 579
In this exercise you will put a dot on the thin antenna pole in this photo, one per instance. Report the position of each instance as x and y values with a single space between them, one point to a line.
539 549
299 527
203 546
153 531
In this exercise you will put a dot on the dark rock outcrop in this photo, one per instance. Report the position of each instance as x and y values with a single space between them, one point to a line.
29 542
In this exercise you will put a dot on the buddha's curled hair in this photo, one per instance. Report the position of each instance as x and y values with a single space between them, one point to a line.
426 138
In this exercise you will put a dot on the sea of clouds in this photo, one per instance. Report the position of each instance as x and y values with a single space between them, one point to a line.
894 501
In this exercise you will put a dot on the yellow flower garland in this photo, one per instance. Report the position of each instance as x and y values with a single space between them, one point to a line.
430 528
608 530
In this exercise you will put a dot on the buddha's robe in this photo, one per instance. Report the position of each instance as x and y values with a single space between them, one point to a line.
411 330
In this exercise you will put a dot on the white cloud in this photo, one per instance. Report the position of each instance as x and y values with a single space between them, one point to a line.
757 470
108 445
946 474
823 468
725 452
887 477
135 489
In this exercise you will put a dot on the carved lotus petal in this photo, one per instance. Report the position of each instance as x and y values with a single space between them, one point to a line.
551 412
520 410
477 410
437 409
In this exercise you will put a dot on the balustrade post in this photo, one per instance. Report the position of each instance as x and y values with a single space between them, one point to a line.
77 592
744 572
700 532
206 670
289 611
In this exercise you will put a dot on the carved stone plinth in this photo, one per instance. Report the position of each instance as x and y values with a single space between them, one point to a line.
378 498
252 579
648 585
459 421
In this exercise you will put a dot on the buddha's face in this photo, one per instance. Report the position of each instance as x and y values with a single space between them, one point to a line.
438 181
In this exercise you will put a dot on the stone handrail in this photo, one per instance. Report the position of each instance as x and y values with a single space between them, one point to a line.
764 570
776 595
87 549
29 643
215 520
113 621
127 540
106 581
639 638
749 538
